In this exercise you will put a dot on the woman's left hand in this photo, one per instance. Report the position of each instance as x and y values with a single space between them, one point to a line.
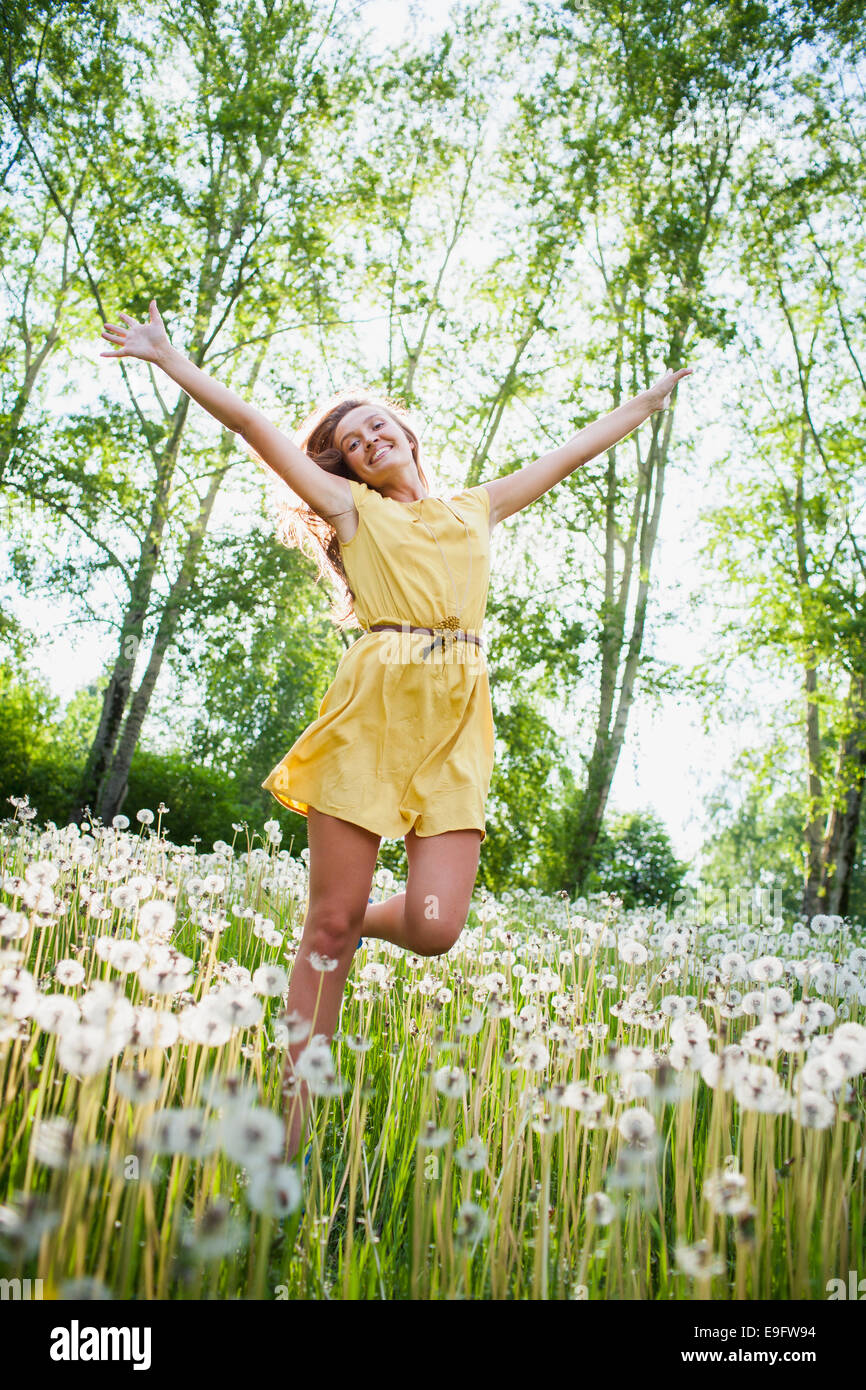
659 394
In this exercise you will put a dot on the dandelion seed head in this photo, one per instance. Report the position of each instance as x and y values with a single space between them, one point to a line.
83 1050
450 1081
154 1028
53 1141
472 1223
251 1136
217 1232
270 980
600 1210
432 1137
637 1127
13 925
323 964
727 1192
698 1261
156 921
139 1087
632 952
813 1110
18 993
54 1013
69 972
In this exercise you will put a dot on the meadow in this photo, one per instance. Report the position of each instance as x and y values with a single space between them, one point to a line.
577 1102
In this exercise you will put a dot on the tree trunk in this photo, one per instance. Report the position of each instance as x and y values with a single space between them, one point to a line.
621 650
114 786
840 841
813 829
117 691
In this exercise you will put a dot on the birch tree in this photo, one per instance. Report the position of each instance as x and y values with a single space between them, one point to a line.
201 194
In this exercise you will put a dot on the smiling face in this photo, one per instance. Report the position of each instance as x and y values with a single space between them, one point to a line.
376 449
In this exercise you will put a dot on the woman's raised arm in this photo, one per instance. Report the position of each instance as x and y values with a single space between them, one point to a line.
516 491
326 493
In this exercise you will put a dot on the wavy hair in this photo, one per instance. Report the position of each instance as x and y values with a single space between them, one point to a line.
299 527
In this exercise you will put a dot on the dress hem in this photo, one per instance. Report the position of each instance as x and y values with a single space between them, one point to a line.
301 807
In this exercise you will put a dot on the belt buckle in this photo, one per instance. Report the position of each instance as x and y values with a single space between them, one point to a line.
444 636
446 633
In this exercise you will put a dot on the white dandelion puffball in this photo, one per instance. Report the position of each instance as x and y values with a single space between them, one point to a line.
450 1081
52 1142
813 1109
18 994
156 920
252 1136
69 972
315 1066
698 1261
632 952
201 1025
600 1209
473 1156
323 964
139 1087
270 980
534 1056
636 1126
56 1012
433 1138
727 1193
83 1049
154 1028
472 1222
275 1192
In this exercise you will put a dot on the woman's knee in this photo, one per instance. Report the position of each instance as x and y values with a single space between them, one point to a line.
330 929
434 936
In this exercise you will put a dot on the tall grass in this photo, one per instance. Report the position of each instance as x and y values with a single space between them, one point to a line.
575 1102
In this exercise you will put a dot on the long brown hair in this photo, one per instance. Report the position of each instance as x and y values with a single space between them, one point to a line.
299 527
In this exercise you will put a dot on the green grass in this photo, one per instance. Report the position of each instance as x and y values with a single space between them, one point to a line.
386 1216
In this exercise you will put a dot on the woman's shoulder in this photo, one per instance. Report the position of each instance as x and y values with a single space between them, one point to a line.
479 494
363 496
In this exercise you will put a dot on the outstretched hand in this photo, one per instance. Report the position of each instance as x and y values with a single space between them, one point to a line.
144 340
660 391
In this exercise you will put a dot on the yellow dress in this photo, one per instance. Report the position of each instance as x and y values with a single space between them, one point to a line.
404 739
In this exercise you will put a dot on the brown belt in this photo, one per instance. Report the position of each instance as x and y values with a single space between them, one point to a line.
438 634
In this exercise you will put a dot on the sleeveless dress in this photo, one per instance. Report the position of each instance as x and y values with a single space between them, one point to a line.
404 737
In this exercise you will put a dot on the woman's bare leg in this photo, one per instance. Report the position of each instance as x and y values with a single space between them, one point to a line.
427 919
430 915
342 862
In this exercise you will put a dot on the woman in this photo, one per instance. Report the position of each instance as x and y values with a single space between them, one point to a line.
403 744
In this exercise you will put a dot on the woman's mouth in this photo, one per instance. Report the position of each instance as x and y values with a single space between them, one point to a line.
380 453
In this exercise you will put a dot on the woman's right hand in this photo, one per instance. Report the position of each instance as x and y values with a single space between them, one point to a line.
145 340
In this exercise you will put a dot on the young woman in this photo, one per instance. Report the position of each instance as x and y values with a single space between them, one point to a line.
403 745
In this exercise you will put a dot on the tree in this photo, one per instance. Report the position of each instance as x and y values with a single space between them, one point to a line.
632 858
234 233
791 538
626 146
